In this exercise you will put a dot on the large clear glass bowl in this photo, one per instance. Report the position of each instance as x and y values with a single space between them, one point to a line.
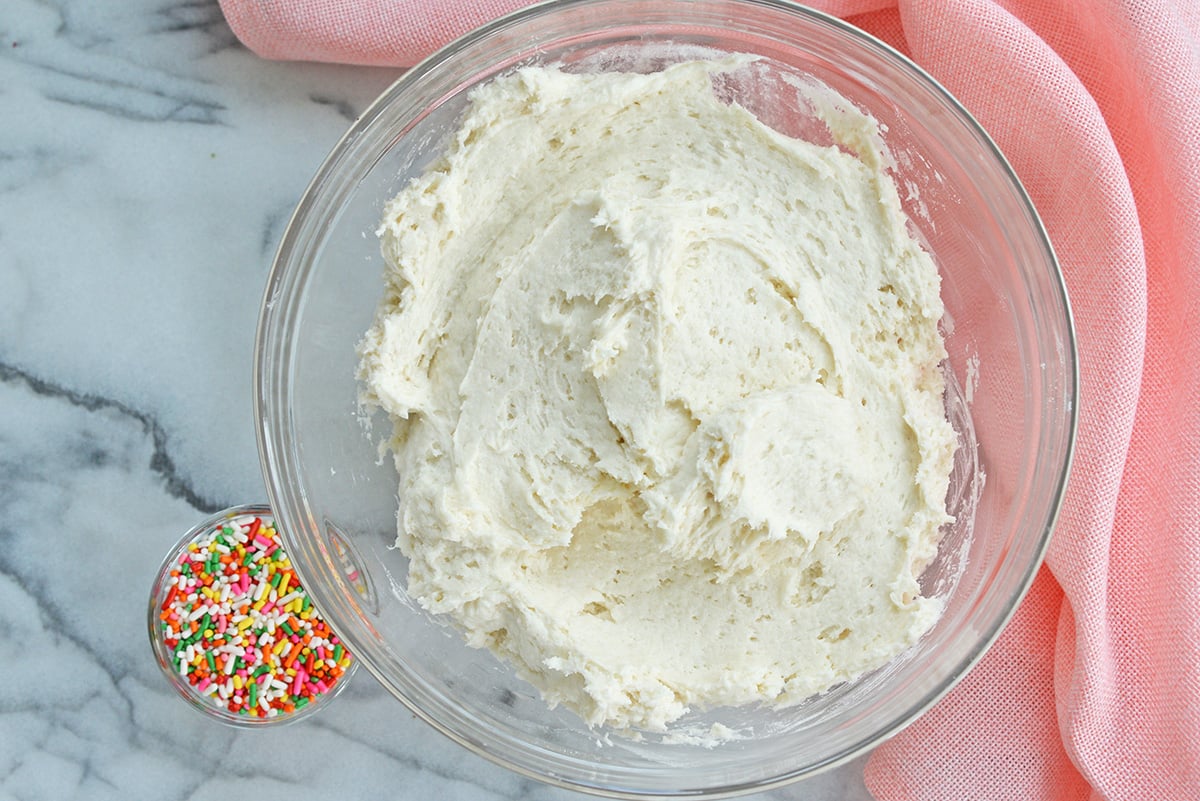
1011 367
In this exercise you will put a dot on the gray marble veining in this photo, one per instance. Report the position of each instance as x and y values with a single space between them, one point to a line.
148 164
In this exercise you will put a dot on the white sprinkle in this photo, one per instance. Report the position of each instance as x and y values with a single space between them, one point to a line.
287 599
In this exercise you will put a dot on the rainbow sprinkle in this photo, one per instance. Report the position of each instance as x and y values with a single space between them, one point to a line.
239 627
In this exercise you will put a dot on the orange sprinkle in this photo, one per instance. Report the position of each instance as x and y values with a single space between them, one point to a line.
292 654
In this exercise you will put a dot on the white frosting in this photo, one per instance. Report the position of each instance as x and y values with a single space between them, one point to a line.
668 411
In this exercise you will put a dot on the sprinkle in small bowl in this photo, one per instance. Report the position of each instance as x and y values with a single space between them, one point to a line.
233 629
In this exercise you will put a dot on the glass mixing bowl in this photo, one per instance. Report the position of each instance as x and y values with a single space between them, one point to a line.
1011 370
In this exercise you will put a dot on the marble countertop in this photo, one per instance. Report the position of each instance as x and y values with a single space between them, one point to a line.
148 165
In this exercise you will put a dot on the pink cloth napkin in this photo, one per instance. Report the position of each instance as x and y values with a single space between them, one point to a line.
1093 691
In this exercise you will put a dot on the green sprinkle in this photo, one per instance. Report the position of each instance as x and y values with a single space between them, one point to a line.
301 702
337 653
275 579
212 663
287 628
254 693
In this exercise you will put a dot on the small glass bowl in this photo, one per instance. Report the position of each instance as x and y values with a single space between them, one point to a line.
212 703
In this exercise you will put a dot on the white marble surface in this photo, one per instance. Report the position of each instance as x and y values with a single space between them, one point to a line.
148 164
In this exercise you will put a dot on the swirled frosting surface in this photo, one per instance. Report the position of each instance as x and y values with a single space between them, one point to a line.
665 382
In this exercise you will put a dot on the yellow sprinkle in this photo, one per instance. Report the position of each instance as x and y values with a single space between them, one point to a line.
237 682
208 634
279 646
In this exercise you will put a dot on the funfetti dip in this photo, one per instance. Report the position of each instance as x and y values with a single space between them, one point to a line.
668 412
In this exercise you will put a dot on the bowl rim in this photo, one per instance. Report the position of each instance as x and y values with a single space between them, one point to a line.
270 449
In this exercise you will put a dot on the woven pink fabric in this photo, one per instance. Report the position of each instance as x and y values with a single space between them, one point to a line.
1093 691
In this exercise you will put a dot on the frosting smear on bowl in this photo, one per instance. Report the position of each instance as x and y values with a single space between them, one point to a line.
665 382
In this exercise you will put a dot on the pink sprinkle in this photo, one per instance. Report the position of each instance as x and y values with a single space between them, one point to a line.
221 624
267 607
203 685
262 542
321 686
321 652
298 682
